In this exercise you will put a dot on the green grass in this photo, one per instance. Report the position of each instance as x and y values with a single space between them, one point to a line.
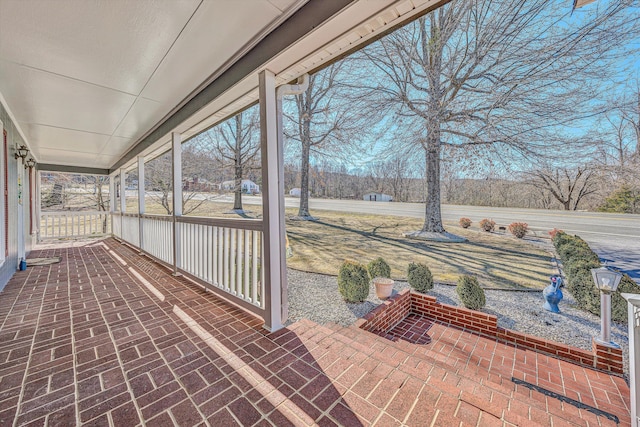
498 260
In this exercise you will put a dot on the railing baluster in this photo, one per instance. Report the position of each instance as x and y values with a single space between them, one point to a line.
245 293
254 275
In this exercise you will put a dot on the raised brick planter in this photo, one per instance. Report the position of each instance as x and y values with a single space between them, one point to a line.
395 309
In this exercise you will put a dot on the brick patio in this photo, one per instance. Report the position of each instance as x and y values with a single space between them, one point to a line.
107 337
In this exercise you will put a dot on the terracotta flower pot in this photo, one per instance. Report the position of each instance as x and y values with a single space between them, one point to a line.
384 287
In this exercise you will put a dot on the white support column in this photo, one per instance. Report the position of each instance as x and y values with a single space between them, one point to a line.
38 203
633 305
274 263
123 196
141 199
176 160
123 200
112 197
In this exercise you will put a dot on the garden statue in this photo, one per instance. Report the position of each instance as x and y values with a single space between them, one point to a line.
552 294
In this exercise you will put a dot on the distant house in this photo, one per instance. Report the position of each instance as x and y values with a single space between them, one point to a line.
377 197
248 186
197 184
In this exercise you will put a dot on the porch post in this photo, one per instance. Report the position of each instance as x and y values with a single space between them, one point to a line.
176 160
274 263
38 202
141 199
123 200
112 197
633 305
123 196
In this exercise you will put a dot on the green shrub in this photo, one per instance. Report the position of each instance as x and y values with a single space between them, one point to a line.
470 292
378 268
353 282
465 222
619 305
518 229
420 277
487 224
578 259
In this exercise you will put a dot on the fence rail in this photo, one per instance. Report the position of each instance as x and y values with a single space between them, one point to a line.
226 254
73 224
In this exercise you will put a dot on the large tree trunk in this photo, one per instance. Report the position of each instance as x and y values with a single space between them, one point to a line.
237 197
433 215
304 166
304 180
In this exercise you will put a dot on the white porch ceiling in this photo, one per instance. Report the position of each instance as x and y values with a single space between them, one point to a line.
88 81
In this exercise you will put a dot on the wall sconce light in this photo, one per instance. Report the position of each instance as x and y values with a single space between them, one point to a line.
29 163
22 152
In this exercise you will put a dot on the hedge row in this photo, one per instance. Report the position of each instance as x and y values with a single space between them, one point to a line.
578 259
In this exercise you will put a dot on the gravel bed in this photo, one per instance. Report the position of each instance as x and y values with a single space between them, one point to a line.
316 297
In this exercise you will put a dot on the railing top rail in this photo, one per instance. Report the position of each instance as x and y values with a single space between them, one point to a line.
633 299
244 224
68 213
157 217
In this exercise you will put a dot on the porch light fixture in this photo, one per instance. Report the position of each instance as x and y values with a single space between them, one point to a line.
22 152
607 282
29 163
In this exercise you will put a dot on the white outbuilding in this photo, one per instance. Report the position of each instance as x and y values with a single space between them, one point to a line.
377 197
296 192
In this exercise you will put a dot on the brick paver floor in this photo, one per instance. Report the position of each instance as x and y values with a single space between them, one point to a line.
107 337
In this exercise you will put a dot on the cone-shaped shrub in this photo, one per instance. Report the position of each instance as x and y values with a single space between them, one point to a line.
378 268
420 277
470 293
353 282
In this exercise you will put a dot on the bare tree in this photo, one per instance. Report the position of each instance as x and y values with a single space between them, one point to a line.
159 181
492 77
569 187
236 143
322 121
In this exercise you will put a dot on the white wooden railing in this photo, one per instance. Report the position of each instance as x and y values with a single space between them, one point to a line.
73 224
224 254
157 236
131 229
633 302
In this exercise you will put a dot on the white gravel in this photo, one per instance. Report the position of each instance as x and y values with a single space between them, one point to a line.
316 297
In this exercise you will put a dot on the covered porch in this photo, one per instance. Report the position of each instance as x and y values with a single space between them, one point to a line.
180 320
110 337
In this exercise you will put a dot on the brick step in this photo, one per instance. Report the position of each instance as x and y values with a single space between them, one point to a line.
480 388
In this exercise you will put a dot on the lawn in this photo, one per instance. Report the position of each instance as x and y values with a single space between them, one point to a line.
498 260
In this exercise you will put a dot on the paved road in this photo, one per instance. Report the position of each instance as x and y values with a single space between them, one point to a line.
614 237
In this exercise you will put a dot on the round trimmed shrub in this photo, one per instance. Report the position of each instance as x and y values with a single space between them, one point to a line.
353 282
518 229
378 268
487 224
419 277
470 293
465 222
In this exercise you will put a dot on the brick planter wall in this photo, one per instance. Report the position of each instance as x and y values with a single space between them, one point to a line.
396 308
